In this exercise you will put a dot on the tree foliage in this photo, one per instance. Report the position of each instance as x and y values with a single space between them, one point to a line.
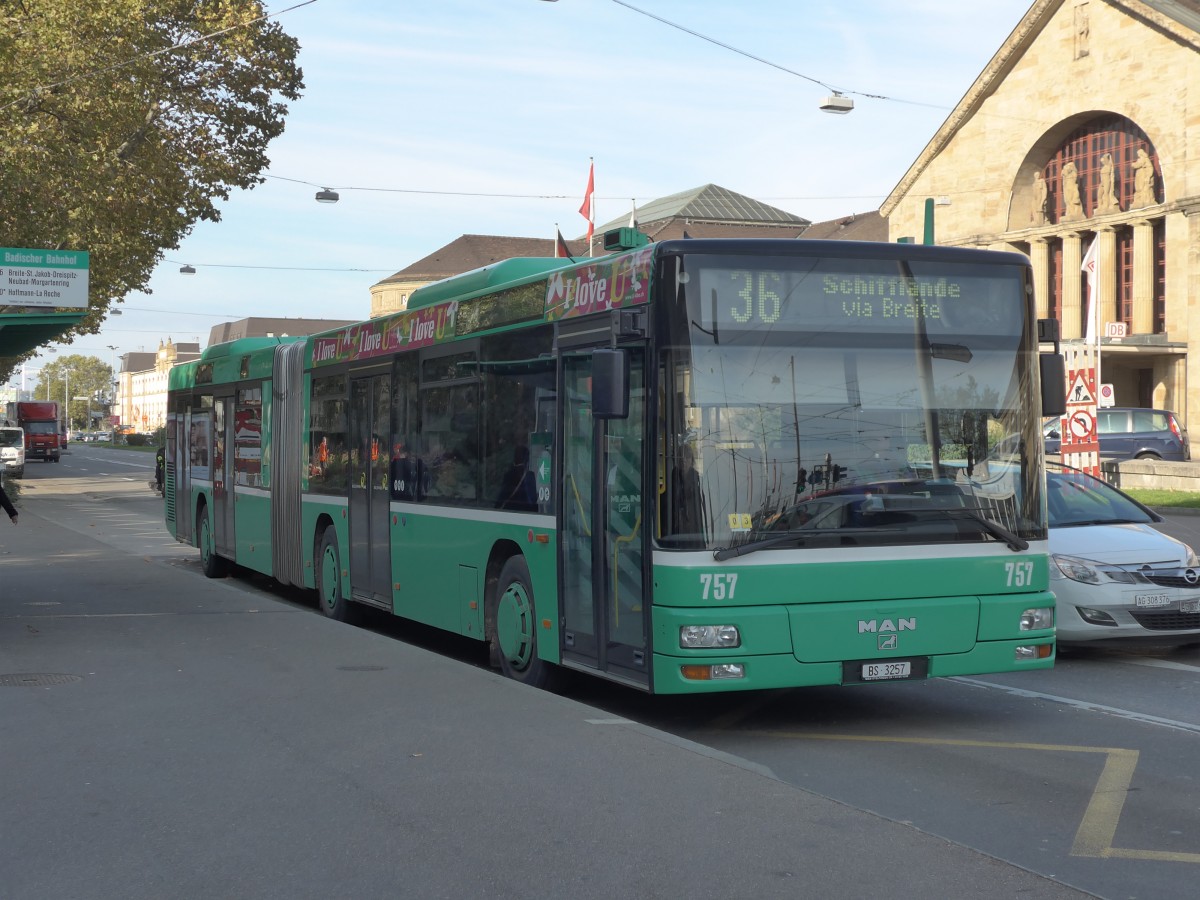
76 376
124 122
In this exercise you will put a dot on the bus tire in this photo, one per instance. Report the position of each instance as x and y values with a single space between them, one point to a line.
213 565
331 600
514 629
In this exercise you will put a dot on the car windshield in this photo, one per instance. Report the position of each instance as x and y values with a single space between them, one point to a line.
10 437
1076 498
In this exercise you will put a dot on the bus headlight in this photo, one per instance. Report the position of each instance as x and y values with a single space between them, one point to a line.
1037 619
695 637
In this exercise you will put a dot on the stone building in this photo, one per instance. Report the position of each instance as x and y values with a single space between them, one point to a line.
1084 131
141 399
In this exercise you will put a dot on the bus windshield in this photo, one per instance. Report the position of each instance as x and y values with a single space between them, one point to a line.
816 402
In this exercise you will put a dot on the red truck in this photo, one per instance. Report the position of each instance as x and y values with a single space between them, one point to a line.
39 418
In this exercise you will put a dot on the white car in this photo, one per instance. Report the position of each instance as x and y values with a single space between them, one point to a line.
12 450
1113 574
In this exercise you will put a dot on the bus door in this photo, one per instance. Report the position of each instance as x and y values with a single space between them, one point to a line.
224 538
370 537
602 551
182 482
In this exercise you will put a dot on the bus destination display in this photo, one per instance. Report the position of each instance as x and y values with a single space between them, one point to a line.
757 298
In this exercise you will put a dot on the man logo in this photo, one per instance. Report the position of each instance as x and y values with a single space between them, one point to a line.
889 641
887 626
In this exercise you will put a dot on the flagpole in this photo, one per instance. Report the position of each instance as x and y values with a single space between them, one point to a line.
1090 267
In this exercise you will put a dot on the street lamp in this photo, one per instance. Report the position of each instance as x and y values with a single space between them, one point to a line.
325 195
838 104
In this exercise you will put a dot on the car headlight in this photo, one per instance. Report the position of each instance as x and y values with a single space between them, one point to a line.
1192 561
1074 568
1087 571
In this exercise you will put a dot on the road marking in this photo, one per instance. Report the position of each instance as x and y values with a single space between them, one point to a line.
1094 837
1088 706
1162 664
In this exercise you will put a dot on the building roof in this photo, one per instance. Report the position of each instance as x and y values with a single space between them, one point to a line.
708 211
473 251
709 203
138 361
261 326
865 226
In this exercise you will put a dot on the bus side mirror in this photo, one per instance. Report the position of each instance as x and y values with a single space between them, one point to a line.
610 384
1054 381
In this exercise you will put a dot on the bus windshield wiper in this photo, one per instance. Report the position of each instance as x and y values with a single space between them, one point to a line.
995 529
992 527
751 546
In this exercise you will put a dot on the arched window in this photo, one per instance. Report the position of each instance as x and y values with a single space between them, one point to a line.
1085 149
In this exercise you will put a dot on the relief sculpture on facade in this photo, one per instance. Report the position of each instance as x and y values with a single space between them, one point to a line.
1143 180
1106 191
1072 202
1041 196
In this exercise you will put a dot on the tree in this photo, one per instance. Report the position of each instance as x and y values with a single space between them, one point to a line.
75 376
122 122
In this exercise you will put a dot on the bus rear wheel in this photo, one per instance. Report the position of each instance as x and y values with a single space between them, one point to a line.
514 627
330 596
214 566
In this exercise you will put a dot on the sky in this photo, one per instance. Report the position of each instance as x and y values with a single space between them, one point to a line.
440 118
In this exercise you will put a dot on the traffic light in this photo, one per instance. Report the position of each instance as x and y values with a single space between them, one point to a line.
838 472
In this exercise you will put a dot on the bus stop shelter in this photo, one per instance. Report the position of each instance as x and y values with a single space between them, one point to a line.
22 332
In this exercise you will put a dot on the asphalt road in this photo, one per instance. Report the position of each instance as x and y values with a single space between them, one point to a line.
1084 774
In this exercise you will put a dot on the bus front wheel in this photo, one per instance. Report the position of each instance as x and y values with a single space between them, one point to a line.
514 630
330 597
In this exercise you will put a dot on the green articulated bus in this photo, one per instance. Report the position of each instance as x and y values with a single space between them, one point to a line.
686 466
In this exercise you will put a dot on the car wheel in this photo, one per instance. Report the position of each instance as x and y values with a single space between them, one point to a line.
1147 455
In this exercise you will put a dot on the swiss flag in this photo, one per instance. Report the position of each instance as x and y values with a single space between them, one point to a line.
588 209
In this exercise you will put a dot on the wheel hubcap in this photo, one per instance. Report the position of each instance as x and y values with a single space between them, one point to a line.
514 625
329 578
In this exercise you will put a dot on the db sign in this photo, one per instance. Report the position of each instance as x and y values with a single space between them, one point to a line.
1114 329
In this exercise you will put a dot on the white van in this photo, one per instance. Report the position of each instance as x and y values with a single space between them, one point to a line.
12 450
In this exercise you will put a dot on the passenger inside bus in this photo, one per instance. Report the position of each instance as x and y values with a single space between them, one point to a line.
517 488
452 478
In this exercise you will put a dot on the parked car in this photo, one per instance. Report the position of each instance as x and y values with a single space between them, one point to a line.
1116 578
1131 433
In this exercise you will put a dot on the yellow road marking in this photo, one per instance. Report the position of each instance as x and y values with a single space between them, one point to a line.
1096 832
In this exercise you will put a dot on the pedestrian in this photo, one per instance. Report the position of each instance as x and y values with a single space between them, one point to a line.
6 504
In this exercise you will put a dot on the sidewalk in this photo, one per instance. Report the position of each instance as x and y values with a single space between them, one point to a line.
170 736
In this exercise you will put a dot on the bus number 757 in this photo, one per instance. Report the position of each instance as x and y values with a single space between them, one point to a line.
717 587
